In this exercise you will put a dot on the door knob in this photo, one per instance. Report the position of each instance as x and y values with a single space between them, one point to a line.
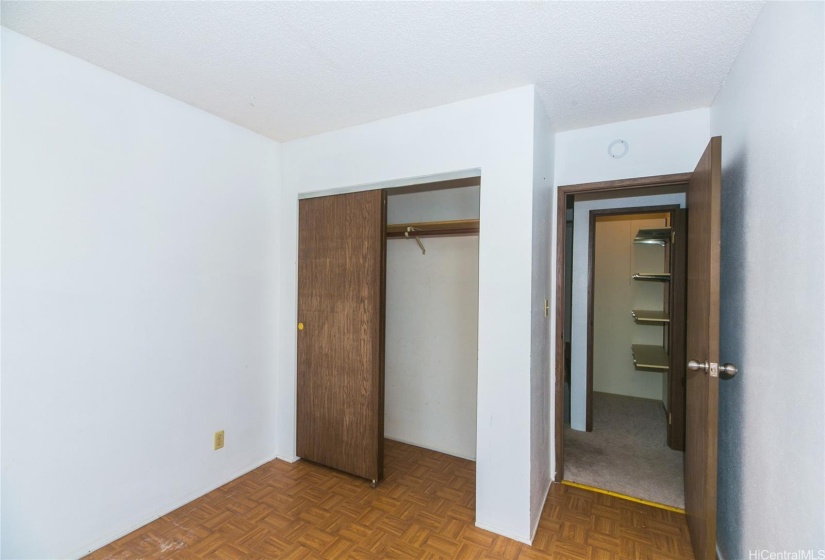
725 371
696 366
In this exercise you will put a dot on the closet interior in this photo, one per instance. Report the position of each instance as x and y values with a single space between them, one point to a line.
431 317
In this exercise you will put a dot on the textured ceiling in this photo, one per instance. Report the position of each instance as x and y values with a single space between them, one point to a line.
292 69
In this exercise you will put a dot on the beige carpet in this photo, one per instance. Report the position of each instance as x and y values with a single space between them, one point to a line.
627 451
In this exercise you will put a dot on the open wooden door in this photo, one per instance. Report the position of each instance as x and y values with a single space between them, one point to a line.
702 348
341 259
676 345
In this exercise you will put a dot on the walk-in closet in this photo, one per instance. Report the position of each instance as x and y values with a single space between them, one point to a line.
625 394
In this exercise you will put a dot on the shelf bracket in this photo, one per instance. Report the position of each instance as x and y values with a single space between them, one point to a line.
411 229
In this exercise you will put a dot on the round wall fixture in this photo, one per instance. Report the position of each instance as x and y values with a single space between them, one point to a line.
617 149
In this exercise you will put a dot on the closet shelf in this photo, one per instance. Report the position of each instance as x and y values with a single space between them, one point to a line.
660 236
652 276
433 229
647 316
650 358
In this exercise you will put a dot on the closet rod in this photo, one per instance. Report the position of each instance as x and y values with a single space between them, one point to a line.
432 229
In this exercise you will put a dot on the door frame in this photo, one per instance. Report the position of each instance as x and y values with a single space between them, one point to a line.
591 269
676 179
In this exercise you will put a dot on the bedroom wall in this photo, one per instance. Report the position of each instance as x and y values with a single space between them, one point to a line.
771 430
139 294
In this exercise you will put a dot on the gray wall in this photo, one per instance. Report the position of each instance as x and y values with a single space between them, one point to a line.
770 116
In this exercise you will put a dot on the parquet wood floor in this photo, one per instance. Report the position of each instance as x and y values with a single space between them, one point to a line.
423 509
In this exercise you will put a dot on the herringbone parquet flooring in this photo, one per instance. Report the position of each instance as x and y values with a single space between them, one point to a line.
423 509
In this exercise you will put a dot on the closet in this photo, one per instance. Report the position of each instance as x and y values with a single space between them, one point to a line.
432 319
387 323
633 331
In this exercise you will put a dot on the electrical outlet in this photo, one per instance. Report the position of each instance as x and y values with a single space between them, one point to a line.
218 440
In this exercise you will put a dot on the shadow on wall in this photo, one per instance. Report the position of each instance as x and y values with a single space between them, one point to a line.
731 349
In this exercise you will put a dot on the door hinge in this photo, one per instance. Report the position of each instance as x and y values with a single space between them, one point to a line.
673 237
669 419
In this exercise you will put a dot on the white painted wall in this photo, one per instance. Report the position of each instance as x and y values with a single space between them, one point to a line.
431 353
771 429
659 145
615 293
540 344
139 301
434 206
578 343
493 134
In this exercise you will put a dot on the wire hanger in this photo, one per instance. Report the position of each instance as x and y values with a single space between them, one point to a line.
411 229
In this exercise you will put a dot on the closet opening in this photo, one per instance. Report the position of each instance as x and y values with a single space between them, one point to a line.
431 316
622 392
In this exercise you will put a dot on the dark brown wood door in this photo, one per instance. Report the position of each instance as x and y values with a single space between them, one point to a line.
676 308
702 326
341 244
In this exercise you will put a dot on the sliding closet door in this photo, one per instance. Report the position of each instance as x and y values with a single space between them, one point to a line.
341 254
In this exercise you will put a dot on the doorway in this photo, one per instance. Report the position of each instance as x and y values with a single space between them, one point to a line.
702 190
626 411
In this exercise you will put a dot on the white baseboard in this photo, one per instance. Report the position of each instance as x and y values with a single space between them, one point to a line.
431 448
190 497
504 533
535 526
287 458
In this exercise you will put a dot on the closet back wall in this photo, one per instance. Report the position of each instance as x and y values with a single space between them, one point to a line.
614 295
431 373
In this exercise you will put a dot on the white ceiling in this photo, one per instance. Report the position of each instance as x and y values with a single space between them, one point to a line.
292 69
